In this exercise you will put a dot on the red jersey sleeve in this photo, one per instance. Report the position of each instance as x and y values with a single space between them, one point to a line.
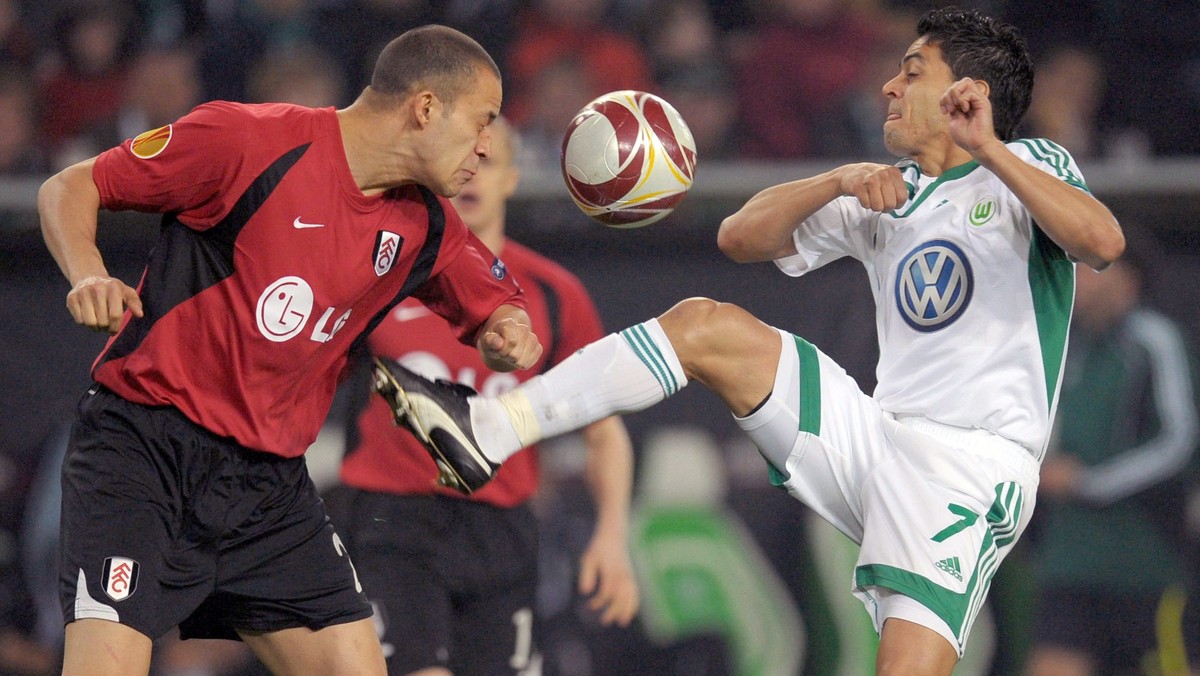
469 288
191 167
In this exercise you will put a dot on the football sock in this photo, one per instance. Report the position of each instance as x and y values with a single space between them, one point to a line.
620 373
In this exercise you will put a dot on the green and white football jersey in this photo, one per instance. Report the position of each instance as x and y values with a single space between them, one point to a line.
972 299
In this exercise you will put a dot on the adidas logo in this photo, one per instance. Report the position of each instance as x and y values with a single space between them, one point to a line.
951 566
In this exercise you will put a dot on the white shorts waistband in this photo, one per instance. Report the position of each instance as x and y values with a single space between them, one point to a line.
978 440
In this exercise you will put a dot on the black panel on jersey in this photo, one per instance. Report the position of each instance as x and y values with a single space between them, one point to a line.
552 311
185 262
358 371
422 267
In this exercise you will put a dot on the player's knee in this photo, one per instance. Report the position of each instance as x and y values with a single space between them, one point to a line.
698 326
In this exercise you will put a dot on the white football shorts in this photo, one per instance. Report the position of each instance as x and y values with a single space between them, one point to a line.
934 508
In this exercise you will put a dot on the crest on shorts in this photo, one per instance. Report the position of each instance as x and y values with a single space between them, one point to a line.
119 578
150 143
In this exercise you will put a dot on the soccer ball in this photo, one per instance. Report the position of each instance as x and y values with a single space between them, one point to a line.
628 159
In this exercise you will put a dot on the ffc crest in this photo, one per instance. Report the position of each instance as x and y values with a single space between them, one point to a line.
120 577
387 248
933 285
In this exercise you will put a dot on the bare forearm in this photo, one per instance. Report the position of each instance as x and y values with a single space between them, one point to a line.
762 229
67 206
609 472
1076 221
506 341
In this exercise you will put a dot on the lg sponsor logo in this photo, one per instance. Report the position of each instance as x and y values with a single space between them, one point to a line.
284 309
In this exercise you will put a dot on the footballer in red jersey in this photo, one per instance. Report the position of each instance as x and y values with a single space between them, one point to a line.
473 614
287 234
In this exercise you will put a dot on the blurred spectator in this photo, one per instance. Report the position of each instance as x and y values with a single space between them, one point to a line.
1152 64
18 42
1066 98
556 93
854 128
302 74
239 33
169 23
549 31
87 74
690 72
704 96
20 152
1110 541
354 31
679 35
491 22
806 56
162 85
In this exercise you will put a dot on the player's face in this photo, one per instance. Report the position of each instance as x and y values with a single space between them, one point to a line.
462 135
915 122
481 201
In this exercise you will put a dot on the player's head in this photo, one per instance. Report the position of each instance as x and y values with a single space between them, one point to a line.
481 202
979 47
444 88
438 58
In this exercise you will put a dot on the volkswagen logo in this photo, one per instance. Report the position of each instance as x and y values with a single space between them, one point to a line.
933 285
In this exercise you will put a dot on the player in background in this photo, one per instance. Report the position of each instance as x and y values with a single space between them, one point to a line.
1111 548
287 234
967 246
453 579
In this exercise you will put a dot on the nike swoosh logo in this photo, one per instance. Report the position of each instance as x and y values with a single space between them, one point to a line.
405 313
299 224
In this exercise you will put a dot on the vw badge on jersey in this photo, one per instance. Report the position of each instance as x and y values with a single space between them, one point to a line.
387 248
120 577
933 285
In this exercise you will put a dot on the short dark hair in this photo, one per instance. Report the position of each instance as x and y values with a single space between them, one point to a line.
979 47
438 58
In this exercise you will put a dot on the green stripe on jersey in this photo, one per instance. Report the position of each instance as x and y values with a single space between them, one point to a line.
643 346
1054 155
1052 285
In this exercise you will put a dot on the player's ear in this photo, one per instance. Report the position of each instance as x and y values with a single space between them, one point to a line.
424 105
987 88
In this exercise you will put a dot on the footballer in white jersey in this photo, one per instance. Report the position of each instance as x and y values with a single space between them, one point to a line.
972 299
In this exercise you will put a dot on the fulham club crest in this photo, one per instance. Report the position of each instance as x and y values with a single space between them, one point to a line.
387 248
120 577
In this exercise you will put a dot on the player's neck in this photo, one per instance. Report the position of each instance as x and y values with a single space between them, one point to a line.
376 165
492 236
936 161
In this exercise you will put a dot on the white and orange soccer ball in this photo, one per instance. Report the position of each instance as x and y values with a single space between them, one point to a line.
628 159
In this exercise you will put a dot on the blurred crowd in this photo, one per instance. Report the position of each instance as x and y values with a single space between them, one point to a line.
755 79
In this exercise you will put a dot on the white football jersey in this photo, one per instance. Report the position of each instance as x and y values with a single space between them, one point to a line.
972 299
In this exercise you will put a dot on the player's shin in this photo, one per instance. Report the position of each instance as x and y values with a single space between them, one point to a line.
620 373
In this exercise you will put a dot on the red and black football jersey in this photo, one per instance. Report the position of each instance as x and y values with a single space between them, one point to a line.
388 458
269 265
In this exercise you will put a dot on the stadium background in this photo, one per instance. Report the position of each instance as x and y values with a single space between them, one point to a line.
1141 159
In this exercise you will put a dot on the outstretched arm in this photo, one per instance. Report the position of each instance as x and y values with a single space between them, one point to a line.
605 571
762 229
507 342
1076 221
68 203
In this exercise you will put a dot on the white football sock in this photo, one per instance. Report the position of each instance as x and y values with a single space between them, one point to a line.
620 373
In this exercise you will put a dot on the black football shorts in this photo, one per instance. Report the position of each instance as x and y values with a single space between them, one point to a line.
166 524
453 580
